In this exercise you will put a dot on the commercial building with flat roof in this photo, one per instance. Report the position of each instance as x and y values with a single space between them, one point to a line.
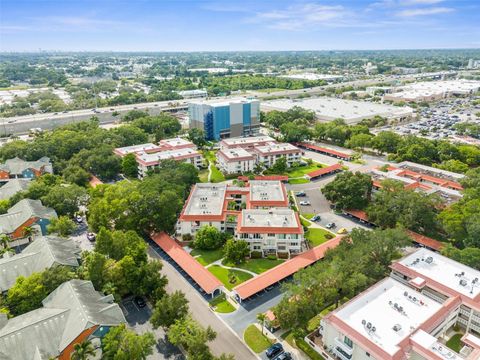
410 315
245 142
224 119
235 161
328 109
433 90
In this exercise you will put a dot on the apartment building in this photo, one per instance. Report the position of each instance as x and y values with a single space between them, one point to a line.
271 231
410 315
224 119
17 168
235 161
226 207
149 155
237 154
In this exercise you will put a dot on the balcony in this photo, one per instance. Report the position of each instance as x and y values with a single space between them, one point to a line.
347 349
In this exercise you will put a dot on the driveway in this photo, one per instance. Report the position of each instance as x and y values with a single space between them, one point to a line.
138 320
80 237
227 340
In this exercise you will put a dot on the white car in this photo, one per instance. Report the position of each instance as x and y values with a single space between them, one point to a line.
305 203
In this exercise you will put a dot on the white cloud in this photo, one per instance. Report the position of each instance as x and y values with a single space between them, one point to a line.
424 11
304 16
420 2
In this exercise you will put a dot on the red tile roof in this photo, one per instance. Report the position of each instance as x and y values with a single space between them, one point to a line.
360 214
324 171
325 150
425 240
280 272
272 177
94 181
192 267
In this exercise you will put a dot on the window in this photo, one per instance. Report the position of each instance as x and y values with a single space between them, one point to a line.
348 341
271 235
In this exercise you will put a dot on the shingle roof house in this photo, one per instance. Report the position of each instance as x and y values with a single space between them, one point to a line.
43 253
70 314
12 187
26 212
19 168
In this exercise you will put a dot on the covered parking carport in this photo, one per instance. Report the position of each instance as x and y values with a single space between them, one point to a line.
200 275
283 271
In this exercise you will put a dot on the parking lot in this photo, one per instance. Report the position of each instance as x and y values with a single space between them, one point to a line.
80 237
138 320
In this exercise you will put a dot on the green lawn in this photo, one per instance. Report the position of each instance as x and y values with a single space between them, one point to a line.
299 343
455 343
316 236
203 175
305 222
255 339
302 170
258 265
298 181
308 216
221 305
217 175
207 256
224 275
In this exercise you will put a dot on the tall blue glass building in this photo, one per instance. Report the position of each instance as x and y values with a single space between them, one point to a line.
220 120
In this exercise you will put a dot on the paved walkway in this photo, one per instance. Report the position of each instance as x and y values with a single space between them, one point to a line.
219 263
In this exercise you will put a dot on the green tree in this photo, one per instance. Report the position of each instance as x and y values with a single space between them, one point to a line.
123 344
280 166
453 165
386 142
76 175
236 251
261 317
82 351
197 136
469 256
130 166
208 238
189 334
349 190
168 309
66 200
63 226
359 141
4 206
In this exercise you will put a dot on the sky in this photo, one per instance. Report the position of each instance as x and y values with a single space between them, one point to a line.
230 25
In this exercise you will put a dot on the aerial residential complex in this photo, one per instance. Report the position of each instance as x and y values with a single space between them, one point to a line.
19 168
237 155
421 178
149 156
224 119
409 315
328 109
257 212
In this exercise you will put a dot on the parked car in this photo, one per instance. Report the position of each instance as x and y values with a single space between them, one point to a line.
78 219
301 193
91 237
342 231
330 225
284 356
305 203
140 301
316 218
274 350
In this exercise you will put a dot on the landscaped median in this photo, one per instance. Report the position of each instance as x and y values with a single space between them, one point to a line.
229 277
221 305
255 339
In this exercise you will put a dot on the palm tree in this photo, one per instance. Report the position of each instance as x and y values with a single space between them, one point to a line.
261 317
29 232
82 351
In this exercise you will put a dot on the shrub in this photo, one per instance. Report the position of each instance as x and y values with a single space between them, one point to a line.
271 257
329 236
256 255
187 237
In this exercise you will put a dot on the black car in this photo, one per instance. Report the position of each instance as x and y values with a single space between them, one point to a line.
284 356
301 193
140 301
274 350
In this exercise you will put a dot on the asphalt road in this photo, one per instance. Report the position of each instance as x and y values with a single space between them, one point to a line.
227 341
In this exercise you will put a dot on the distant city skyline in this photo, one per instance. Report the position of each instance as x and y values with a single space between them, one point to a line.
185 25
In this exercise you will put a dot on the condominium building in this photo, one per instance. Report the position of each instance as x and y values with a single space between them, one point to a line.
237 154
226 207
427 299
149 156
271 230
225 119
17 168
235 161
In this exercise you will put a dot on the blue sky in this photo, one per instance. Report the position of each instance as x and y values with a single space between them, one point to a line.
186 25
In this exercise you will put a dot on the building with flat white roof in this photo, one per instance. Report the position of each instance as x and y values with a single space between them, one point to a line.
151 161
263 150
410 315
271 230
328 109
193 94
150 155
312 76
245 142
433 90
235 161
226 206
